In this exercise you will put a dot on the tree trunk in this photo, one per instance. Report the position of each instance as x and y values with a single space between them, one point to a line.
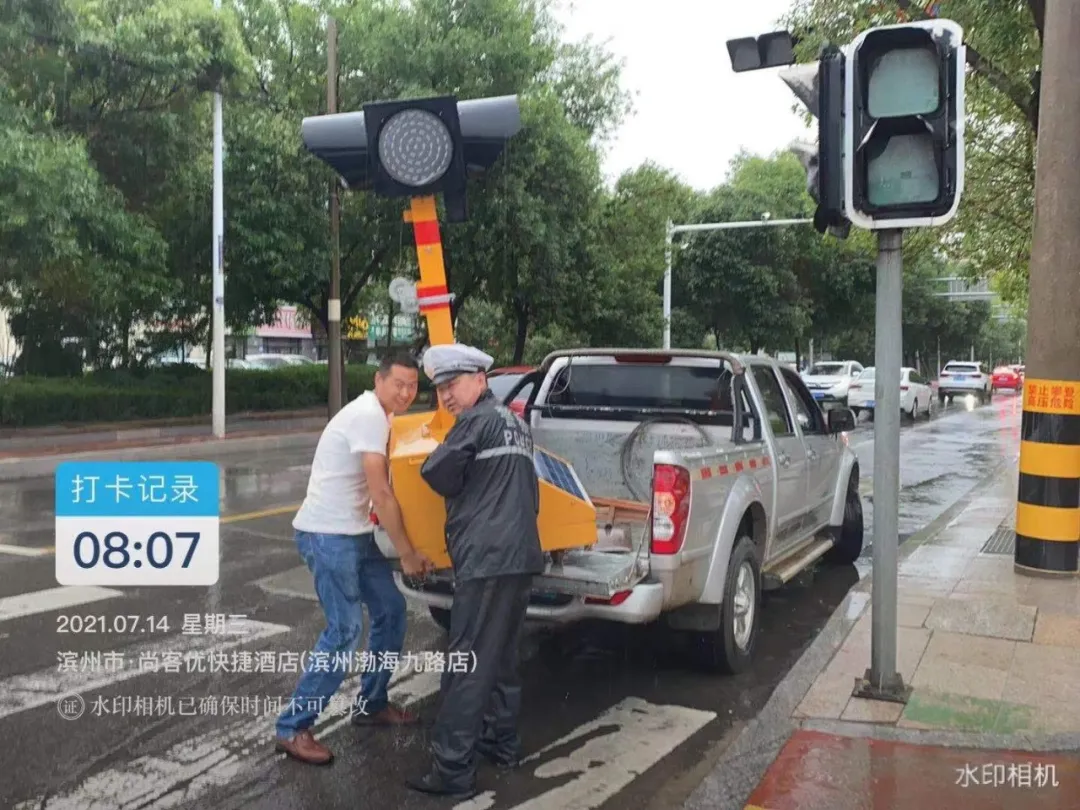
798 353
521 316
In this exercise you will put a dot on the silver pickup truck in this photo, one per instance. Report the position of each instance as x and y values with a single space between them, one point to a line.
715 476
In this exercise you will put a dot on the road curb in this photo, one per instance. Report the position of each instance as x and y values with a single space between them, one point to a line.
16 469
744 763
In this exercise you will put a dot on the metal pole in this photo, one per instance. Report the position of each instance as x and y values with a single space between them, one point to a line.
669 236
1047 517
333 305
882 680
218 250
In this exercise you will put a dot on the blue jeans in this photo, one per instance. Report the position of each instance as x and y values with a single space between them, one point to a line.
349 571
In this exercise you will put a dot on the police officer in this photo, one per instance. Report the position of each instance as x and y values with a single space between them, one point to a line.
485 471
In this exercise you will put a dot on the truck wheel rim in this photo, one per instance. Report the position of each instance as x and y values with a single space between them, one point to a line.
743 613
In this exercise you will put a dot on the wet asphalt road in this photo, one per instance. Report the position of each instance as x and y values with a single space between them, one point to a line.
632 710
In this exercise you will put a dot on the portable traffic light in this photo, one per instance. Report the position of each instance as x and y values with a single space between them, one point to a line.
821 88
904 125
415 147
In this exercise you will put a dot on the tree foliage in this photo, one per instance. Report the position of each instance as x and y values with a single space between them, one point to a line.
106 188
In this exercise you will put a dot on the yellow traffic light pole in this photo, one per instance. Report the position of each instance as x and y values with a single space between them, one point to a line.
432 293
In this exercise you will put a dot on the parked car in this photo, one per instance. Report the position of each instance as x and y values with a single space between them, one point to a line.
501 381
961 378
740 483
916 394
264 362
830 382
1006 377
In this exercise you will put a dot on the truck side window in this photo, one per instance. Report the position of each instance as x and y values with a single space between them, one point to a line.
772 394
814 420
751 429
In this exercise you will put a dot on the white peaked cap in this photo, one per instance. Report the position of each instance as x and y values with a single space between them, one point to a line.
443 363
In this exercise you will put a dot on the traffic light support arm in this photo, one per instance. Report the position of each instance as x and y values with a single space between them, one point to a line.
669 239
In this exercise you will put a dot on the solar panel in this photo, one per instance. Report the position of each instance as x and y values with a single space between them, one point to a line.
558 473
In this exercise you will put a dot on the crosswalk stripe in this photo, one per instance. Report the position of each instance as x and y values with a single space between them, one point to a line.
604 764
25 551
191 768
27 604
23 692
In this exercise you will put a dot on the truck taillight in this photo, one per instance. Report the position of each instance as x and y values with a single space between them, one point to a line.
671 508
903 388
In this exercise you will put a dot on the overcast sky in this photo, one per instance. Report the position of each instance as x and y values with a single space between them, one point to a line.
692 114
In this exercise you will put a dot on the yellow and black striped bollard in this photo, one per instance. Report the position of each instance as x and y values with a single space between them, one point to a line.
1048 496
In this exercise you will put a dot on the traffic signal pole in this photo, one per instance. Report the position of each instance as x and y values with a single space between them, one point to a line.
1048 492
333 304
882 681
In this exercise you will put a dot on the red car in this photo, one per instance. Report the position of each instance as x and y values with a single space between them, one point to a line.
1006 377
501 380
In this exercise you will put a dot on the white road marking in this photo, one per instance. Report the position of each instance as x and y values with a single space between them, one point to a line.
606 763
25 551
191 768
23 692
27 604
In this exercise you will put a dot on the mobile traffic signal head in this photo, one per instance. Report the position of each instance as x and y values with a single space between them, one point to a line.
415 147
904 125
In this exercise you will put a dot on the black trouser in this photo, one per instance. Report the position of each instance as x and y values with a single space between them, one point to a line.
482 703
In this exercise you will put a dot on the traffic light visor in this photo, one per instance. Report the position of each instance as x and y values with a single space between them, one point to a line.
415 147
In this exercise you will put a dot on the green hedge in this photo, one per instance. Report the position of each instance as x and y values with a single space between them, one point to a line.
121 395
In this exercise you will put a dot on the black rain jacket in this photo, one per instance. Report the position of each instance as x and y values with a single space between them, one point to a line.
486 472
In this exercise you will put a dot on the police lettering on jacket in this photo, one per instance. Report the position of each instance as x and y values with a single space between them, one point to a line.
485 471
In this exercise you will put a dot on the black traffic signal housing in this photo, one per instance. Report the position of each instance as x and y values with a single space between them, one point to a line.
830 176
415 147
820 87
904 125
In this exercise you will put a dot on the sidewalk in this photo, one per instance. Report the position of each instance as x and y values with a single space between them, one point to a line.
994 661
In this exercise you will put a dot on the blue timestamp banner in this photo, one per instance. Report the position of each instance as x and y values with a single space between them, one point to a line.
137 523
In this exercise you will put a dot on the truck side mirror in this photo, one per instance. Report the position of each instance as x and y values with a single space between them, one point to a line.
841 420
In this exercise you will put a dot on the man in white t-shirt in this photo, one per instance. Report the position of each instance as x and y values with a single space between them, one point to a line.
335 537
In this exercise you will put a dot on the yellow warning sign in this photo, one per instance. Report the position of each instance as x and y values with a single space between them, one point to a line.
1052 396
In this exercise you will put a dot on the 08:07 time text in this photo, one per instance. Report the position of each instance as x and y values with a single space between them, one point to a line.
159 549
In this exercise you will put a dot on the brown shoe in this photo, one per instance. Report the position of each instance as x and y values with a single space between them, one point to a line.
390 716
305 748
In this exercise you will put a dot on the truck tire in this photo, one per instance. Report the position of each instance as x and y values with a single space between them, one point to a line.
441 617
730 648
848 544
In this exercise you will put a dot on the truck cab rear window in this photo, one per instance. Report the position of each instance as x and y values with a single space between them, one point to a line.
627 391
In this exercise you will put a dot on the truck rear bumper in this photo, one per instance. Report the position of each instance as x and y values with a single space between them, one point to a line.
643 604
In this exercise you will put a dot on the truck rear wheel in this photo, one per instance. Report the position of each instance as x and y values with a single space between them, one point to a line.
729 649
848 543
441 617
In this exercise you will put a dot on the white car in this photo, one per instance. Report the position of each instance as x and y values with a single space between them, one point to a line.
916 395
963 379
264 362
829 382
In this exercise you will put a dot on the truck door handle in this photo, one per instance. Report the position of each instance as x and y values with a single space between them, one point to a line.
784 459
811 454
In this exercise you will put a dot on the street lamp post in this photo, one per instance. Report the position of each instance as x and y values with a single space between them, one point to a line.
765 222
